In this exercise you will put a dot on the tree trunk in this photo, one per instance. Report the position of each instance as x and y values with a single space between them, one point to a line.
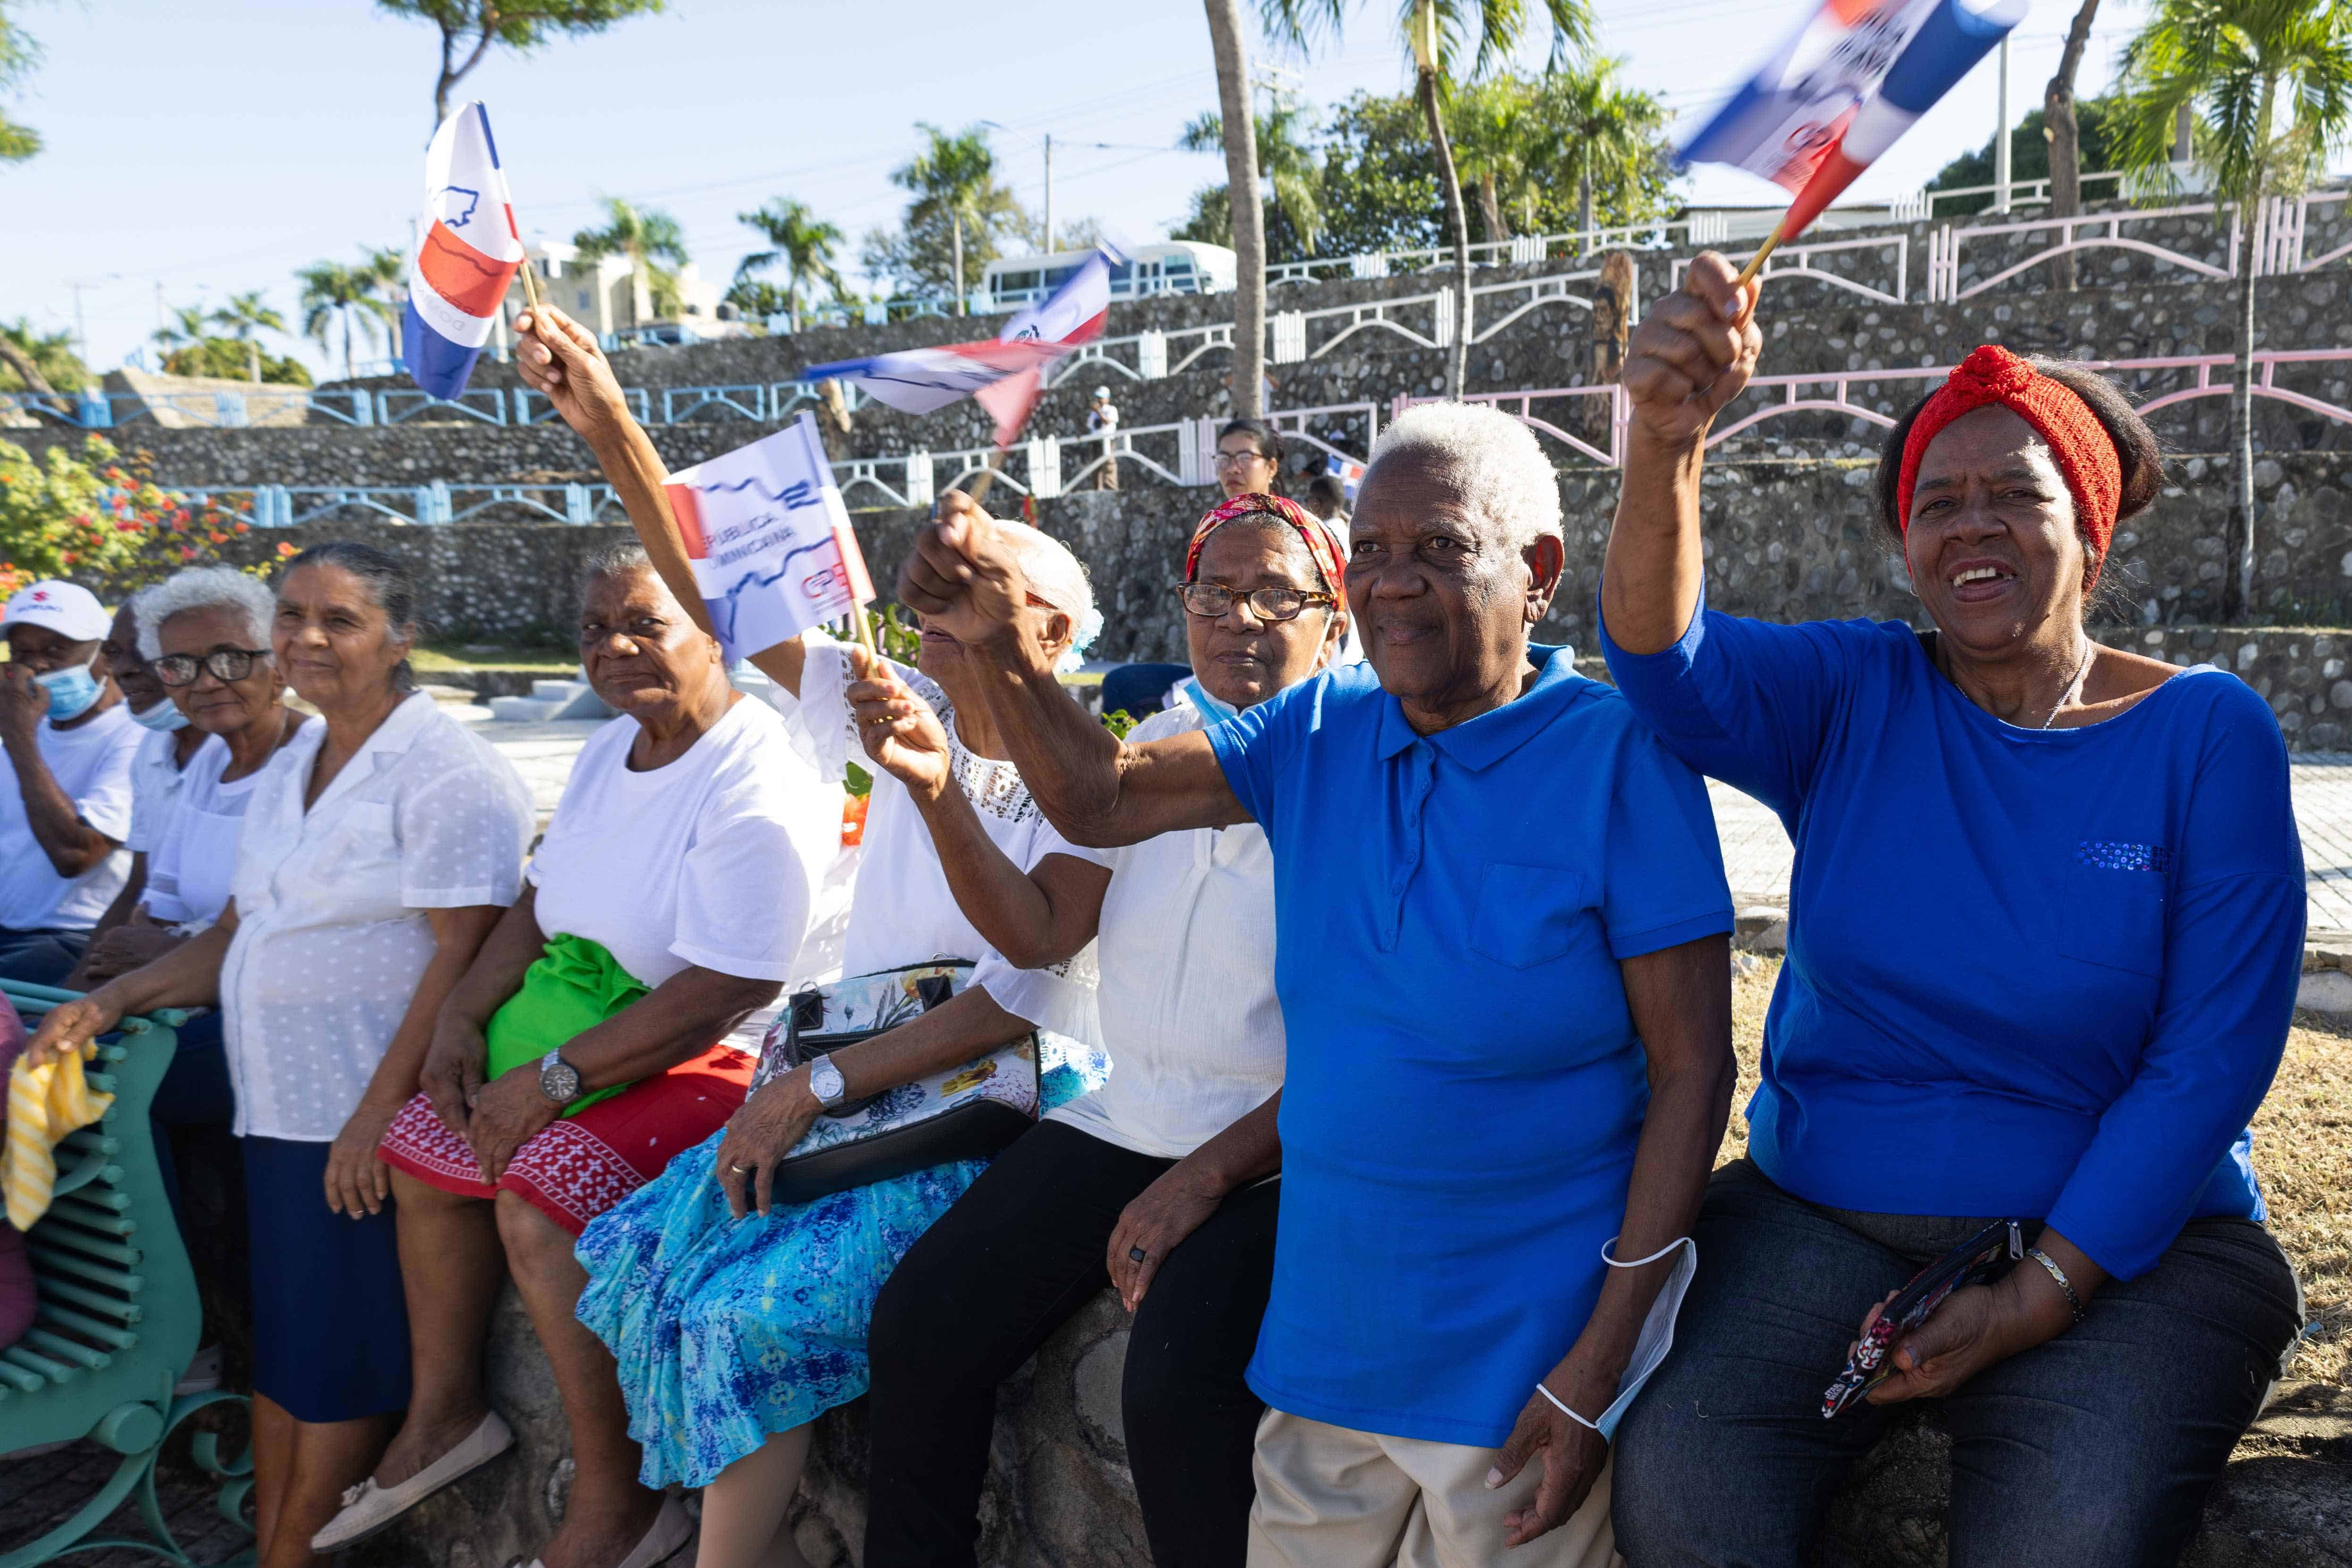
252 362
957 220
2242 420
2066 137
1584 207
1490 207
16 359
1457 379
1228 40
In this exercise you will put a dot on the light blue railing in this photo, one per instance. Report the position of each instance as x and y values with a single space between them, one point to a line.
219 410
291 506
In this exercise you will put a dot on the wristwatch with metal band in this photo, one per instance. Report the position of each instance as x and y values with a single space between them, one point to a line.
826 1084
557 1079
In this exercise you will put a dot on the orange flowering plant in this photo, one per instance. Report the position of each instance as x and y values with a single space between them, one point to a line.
101 518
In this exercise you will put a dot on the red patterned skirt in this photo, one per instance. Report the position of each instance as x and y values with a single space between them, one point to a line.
576 1167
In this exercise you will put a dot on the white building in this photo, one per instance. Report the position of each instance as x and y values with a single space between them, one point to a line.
610 295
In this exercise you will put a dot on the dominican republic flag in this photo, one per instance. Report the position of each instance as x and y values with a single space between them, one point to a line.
1348 472
769 541
468 253
1871 68
1003 375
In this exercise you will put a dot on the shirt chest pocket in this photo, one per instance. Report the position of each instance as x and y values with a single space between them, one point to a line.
1529 914
2112 912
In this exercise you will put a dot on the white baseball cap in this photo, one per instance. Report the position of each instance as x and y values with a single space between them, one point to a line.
1103 393
68 609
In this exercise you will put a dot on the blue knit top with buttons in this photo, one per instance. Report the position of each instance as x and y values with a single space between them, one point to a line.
1463 1088
2038 972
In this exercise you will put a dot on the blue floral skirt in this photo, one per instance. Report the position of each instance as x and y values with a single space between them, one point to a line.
729 1330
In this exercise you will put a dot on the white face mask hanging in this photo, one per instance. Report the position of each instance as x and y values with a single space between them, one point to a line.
1657 1333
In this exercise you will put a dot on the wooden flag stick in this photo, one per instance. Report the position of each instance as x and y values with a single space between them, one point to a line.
529 287
1755 262
861 622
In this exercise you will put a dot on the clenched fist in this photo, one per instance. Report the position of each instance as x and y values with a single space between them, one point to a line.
1693 354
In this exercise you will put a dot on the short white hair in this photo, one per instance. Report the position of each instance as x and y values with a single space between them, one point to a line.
1059 577
1492 460
203 588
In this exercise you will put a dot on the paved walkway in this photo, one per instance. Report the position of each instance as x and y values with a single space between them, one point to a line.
1756 854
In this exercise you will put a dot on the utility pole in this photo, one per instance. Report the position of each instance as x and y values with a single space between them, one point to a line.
81 332
1049 194
2001 169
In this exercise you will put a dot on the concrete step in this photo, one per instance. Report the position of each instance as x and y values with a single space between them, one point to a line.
564 689
529 710
551 700
446 695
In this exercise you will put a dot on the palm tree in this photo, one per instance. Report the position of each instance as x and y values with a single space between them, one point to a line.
1600 132
646 237
804 245
2059 124
1283 159
332 290
245 315
1230 44
1489 124
1434 28
185 330
953 180
2247 64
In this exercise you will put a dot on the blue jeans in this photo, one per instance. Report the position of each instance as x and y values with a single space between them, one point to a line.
2094 1449
40 958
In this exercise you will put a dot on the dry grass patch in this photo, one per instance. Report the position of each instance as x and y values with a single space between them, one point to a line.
2303 1148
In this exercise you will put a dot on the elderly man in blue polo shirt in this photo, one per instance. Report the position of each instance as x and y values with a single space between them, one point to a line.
1501 921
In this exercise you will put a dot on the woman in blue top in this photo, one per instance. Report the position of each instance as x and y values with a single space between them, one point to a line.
2045 932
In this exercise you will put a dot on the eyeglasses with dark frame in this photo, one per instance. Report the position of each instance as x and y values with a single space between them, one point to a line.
1210 600
226 664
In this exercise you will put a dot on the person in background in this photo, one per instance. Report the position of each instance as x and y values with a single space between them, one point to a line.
1501 927
736 1320
2045 937
1328 499
1159 1182
65 805
1102 420
155 769
586 1047
380 847
1249 459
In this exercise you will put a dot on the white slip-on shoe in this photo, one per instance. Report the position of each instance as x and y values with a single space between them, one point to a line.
673 1528
369 1508
204 1374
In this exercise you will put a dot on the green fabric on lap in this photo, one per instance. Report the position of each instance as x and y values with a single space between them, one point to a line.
574 985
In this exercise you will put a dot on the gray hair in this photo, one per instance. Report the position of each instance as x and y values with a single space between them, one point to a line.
1054 575
614 560
1491 460
202 587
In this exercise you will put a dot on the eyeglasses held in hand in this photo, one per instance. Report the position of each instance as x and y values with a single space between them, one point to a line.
1210 601
226 664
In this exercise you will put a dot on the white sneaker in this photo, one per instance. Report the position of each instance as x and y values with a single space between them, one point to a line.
369 1508
204 1374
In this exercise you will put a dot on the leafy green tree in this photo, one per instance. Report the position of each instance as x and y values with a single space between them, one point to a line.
18 55
798 241
1380 186
471 29
2030 146
186 327
1286 162
1438 31
332 291
649 239
226 358
959 211
2271 81
1489 123
40 363
1600 138
244 317
98 514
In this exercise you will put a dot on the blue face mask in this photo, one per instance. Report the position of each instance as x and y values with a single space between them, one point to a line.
71 692
1215 710
164 716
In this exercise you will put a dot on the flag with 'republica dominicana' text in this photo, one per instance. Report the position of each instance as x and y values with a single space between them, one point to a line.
467 251
1842 89
769 538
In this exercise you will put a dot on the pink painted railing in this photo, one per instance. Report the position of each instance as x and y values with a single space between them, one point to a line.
1835 393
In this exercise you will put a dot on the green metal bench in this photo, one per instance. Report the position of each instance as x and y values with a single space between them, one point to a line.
118 1316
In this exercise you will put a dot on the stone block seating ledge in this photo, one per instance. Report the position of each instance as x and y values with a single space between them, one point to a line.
1058 1494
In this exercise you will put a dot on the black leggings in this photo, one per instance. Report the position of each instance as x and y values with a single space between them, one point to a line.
1018 1255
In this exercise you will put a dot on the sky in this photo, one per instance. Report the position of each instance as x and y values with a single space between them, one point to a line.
200 148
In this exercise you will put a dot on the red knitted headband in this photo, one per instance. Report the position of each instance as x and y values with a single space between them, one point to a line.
2086 453
1318 540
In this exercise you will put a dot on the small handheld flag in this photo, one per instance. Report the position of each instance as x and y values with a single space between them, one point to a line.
467 253
1348 471
770 539
1004 374
1877 65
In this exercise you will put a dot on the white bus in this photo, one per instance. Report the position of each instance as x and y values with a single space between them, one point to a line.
1177 266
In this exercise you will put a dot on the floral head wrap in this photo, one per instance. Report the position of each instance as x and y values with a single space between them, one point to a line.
1321 545
2084 452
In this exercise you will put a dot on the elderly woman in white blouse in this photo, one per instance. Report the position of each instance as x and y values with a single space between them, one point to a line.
380 847
736 1318
1156 1183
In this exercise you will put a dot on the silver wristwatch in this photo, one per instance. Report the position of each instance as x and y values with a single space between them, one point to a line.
557 1079
826 1084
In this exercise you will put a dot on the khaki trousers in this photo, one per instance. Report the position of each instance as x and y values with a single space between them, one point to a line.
1330 1497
